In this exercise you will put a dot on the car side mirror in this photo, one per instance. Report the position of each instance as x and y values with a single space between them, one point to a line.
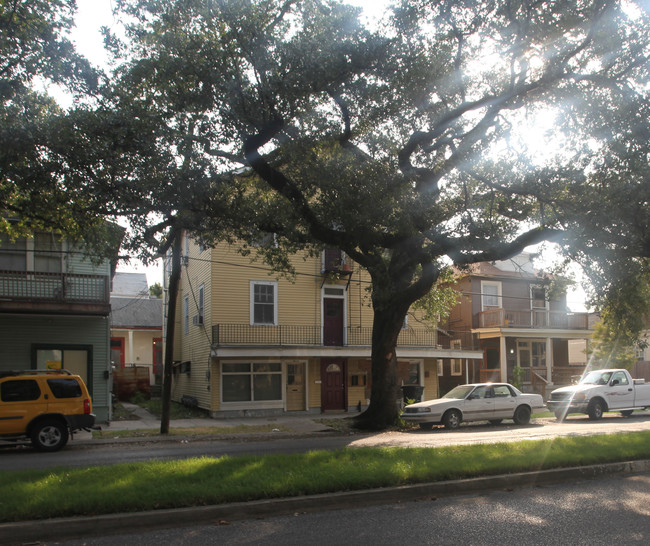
615 382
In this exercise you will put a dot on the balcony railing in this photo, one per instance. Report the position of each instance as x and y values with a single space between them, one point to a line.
30 287
498 318
295 335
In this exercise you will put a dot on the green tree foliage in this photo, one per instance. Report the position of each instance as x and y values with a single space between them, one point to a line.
625 310
35 51
610 350
440 300
156 290
408 148
403 148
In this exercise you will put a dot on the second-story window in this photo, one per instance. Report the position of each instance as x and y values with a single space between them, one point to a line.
186 313
47 253
42 253
490 295
538 297
201 302
332 259
13 254
264 309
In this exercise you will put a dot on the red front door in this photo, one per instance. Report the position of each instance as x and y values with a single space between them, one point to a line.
332 373
332 321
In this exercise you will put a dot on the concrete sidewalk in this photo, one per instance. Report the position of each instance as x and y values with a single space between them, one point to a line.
300 424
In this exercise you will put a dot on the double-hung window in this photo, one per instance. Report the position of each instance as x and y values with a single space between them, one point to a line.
43 253
491 295
538 297
264 303
47 253
201 304
186 313
13 254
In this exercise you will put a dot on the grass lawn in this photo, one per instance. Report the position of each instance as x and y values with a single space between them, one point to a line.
37 494
177 411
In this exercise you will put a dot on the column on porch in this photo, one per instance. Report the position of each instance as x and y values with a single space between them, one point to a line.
503 358
131 348
549 360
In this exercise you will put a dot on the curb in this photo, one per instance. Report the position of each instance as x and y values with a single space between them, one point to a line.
112 524
225 437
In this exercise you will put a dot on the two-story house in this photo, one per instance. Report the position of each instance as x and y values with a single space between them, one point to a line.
248 342
508 307
54 310
136 325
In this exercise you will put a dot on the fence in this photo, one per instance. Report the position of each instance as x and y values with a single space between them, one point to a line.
533 319
296 335
129 381
54 287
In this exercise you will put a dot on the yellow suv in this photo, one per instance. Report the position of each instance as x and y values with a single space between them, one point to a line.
44 406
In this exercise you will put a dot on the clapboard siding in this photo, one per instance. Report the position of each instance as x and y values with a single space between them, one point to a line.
226 276
195 344
299 298
21 332
79 264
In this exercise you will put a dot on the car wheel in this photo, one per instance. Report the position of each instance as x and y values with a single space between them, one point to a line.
495 421
627 412
49 435
595 410
560 415
426 426
452 419
522 415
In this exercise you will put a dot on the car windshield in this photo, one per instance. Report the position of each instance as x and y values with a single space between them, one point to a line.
459 392
596 378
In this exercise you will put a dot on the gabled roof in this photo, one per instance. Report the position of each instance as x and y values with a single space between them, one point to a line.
519 267
487 269
130 284
142 312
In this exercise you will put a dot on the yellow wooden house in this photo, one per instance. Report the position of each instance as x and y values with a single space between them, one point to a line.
250 343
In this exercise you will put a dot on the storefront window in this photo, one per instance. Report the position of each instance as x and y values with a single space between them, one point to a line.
251 382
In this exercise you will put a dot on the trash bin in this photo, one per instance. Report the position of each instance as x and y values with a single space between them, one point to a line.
412 392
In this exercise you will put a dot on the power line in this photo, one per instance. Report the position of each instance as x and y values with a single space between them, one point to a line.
266 269
358 282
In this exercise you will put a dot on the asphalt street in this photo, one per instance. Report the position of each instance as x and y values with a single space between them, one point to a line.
84 451
600 512
306 435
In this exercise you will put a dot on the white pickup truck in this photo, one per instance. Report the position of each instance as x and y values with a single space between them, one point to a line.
600 391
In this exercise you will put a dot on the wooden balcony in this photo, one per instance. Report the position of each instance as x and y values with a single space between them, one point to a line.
234 335
54 293
535 318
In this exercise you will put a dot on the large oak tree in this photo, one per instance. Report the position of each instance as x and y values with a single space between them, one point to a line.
405 147
408 146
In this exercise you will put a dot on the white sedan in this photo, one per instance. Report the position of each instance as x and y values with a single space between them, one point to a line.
491 402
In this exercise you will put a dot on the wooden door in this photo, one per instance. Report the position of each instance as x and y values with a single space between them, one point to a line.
296 387
332 321
333 392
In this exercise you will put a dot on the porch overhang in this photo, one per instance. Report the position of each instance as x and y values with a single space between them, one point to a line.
490 333
337 352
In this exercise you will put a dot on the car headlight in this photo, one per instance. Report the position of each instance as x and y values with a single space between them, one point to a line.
423 410
579 397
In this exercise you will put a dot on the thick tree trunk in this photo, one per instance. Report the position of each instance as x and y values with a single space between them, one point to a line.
172 296
385 391
393 292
